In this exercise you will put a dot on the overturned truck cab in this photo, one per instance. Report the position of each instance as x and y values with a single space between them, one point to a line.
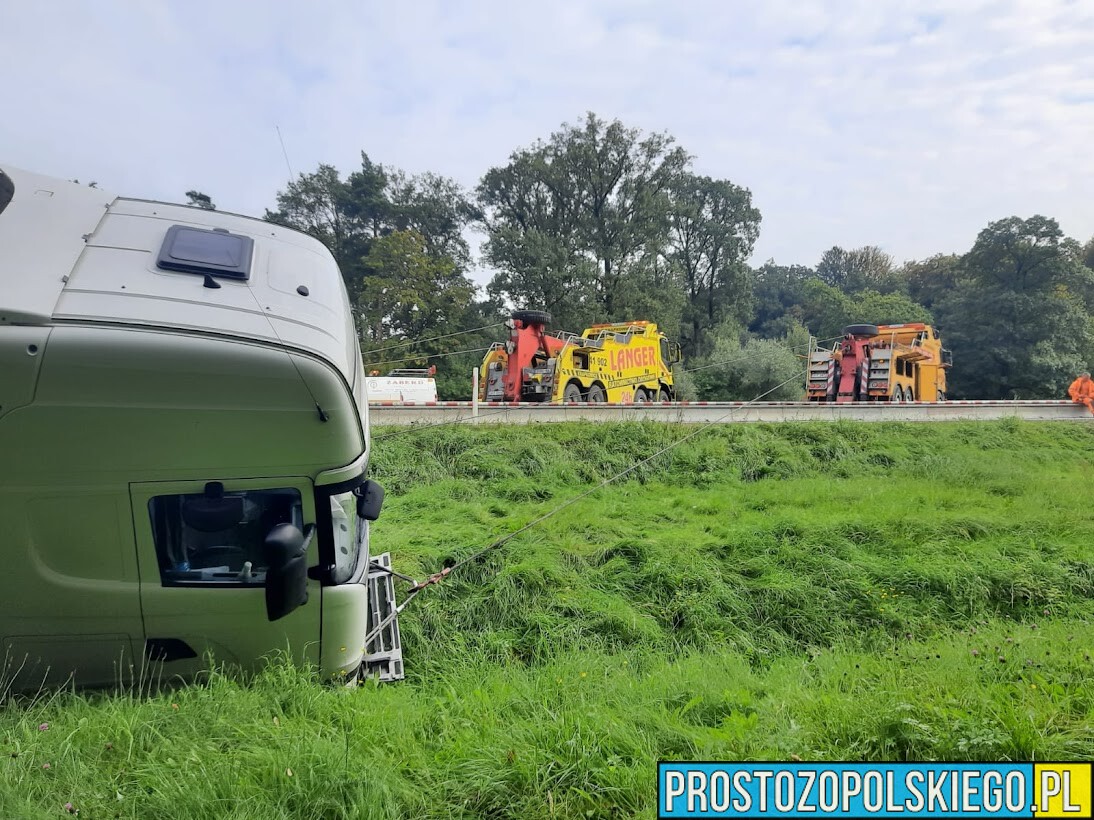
183 445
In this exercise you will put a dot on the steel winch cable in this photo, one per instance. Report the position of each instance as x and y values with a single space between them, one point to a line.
388 348
437 577
429 356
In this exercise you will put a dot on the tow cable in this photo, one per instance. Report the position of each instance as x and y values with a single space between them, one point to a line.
388 656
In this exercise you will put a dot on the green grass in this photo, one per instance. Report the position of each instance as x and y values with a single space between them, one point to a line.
831 591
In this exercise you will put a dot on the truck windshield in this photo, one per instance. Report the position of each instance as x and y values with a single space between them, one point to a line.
219 541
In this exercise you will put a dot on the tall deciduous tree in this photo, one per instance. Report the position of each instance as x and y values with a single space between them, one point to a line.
713 229
572 218
827 310
858 269
437 208
778 293
531 227
411 292
1019 322
929 280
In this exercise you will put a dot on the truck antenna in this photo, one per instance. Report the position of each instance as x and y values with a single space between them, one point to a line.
285 153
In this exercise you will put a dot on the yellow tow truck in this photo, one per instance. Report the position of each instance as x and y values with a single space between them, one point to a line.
620 362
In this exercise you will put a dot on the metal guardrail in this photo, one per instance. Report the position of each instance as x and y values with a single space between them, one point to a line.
394 413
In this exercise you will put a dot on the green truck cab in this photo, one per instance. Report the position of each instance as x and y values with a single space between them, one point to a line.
183 443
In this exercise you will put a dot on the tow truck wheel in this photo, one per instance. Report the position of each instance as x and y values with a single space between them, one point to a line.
572 394
898 395
531 317
861 330
596 395
663 395
640 396
941 396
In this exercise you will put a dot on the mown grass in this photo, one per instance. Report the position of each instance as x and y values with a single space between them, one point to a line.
830 591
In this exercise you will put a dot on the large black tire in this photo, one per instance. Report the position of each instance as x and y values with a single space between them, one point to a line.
531 317
596 395
640 396
572 393
860 330
940 396
663 395
898 395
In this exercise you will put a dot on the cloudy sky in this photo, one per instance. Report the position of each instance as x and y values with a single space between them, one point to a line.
908 124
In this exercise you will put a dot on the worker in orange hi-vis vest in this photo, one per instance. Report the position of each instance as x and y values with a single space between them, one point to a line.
1082 391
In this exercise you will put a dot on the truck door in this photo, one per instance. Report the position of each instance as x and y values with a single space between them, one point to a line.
69 587
201 557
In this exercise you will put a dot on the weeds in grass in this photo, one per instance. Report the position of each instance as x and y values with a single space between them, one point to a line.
841 591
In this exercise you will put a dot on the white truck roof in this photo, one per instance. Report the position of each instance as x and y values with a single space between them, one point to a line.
74 254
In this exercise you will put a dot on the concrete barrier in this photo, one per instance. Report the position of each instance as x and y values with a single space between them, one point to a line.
726 412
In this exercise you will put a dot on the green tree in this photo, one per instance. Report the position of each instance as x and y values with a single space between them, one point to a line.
827 310
1019 320
886 309
859 269
929 280
778 294
531 241
411 292
741 368
349 216
320 204
437 208
200 200
1088 253
570 219
713 229
652 291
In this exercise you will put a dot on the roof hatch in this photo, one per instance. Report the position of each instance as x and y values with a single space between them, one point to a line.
215 252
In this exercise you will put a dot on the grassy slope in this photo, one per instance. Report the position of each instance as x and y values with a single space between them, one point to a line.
832 591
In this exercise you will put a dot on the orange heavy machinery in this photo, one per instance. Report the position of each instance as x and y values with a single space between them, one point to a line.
881 363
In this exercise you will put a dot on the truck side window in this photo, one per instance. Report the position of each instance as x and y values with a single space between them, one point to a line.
219 541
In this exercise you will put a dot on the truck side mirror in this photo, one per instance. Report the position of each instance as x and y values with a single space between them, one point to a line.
286 569
370 498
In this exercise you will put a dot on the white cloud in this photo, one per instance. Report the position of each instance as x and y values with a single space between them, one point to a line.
904 124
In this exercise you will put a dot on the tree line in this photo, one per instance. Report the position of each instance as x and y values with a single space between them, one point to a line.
602 222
